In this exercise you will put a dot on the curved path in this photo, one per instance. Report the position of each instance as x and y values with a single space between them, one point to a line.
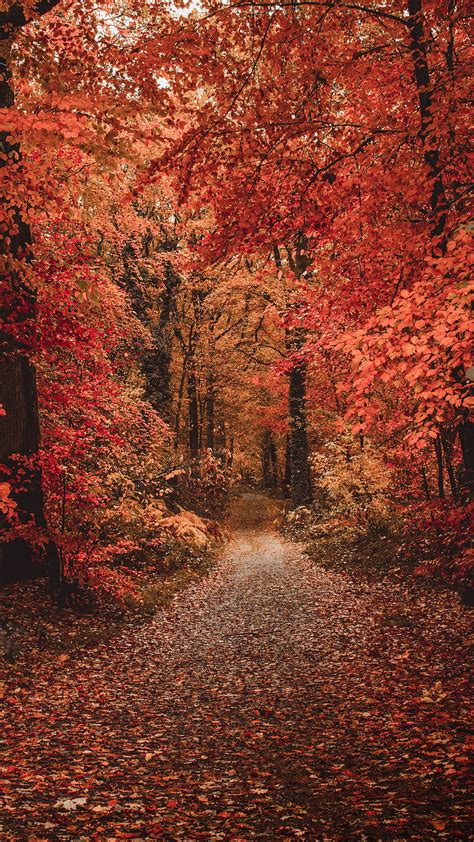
273 701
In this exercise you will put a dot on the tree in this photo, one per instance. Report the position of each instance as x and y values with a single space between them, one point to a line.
19 422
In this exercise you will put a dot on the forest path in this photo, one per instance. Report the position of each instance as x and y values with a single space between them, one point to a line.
273 700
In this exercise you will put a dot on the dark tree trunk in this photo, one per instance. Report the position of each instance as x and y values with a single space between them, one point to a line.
194 426
287 475
201 410
266 459
19 427
269 461
19 436
187 351
230 457
439 464
193 415
273 463
447 444
428 136
466 437
297 469
300 491
210 400
265 465
157 363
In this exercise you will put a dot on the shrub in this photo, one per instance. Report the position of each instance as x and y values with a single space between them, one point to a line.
354 487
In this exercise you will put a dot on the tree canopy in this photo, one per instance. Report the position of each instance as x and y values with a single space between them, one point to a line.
234 239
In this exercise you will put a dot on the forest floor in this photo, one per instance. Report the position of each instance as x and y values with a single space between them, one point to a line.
273 700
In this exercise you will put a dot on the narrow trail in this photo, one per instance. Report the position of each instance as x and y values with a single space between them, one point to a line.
273 700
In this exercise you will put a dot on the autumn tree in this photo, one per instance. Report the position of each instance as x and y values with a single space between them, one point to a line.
20 430
73 114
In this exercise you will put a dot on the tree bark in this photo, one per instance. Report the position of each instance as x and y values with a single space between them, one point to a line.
287 475
431 151
157 363
193 415
273 463
300 491
265 464
466 438
439 464
269 461
300 476
210 401
447 445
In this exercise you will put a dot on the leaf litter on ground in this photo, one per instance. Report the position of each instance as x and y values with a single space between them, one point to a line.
274 699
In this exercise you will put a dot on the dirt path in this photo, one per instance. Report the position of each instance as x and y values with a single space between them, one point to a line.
273 700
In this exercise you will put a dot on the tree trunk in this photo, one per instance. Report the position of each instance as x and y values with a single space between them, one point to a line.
447 444
297 457
439 463
287 474
210 400
265 464
193 416
300 492
157 363
428 136
19 426
269 461
230 457
466 437
273 463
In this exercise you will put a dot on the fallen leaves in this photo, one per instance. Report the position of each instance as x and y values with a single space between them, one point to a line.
70 803
273 700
